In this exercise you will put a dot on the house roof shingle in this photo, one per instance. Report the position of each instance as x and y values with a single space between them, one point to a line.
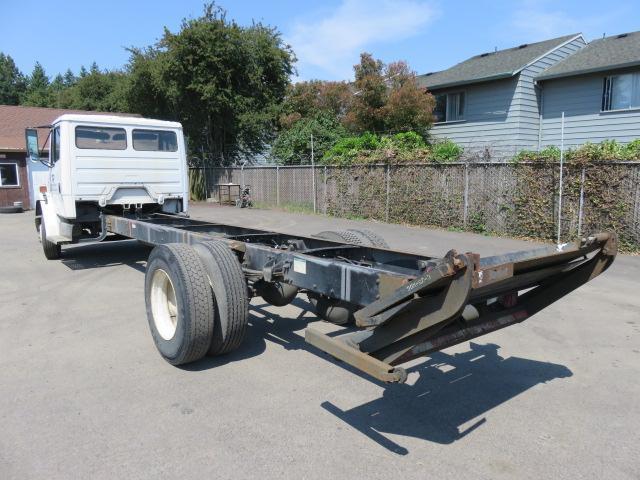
492 65
14 119
607 53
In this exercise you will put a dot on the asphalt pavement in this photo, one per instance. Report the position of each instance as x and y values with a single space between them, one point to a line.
84 394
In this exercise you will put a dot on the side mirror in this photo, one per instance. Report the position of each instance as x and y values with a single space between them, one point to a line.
31 136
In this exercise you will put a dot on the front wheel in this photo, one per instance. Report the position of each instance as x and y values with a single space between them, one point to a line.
51 250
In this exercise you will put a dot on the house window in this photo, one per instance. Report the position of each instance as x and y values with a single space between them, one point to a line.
449 107
621 92
101 138
9 175
155 140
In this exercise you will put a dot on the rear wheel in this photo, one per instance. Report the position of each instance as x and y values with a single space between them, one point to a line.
179 303
230 296
51 250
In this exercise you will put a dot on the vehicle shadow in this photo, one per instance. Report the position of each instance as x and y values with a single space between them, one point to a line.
264 325
446 402
451 392
107 254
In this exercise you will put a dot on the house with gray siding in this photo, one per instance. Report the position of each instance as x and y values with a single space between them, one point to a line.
500 102
598 89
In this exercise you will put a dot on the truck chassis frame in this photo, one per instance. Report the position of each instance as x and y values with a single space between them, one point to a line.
406 305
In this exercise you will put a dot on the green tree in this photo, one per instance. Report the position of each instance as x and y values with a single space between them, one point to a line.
12 82
293 145
38 93
69 78
387 98
223 81
309 99
408 107
97 91
370 96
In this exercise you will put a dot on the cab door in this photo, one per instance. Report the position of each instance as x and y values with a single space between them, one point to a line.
54 187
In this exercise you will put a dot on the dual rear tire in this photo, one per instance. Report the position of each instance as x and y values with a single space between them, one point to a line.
196 301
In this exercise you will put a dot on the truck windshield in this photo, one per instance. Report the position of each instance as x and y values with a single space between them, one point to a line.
155 140
101 138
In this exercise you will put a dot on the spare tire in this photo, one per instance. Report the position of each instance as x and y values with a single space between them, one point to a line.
363 237
11 209
370 238
342 236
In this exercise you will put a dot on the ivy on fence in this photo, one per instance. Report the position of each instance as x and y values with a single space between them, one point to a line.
516 199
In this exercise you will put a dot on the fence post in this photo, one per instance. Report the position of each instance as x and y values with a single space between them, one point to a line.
386 208
313 175
277 185
324 206
465 213
636 203
561 173
581 204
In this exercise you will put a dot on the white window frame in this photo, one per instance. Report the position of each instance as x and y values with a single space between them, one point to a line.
463 93
607 93
15 164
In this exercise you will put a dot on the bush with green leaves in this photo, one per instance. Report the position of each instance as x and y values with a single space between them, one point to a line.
345 150
446 151
293 146
607 150
401 148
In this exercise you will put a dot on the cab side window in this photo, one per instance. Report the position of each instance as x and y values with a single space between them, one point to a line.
55 145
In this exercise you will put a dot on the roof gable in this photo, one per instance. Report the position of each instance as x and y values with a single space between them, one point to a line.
603 54
492 65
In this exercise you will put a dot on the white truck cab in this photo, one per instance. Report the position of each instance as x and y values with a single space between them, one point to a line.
107 164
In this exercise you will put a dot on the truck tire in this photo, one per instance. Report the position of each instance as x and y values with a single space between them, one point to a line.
370 238
230 296
51 250
342 236
179 303
11 209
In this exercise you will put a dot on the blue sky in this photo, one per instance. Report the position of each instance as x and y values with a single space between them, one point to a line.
327 36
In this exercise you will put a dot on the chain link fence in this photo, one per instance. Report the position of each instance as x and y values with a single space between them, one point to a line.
500 198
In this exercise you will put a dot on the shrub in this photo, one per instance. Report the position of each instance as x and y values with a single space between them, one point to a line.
446 151
548 154
347 148
404 142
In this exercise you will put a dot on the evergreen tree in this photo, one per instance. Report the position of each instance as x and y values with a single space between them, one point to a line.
12 81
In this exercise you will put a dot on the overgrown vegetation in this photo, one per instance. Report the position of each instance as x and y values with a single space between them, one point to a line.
588 172
606 150
401 148
383 99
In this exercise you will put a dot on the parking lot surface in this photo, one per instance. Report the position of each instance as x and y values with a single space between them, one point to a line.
84 394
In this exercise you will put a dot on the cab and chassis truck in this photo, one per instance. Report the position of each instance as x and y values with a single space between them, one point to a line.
116 177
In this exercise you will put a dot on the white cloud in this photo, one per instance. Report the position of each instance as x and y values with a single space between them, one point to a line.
331 44
537 20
